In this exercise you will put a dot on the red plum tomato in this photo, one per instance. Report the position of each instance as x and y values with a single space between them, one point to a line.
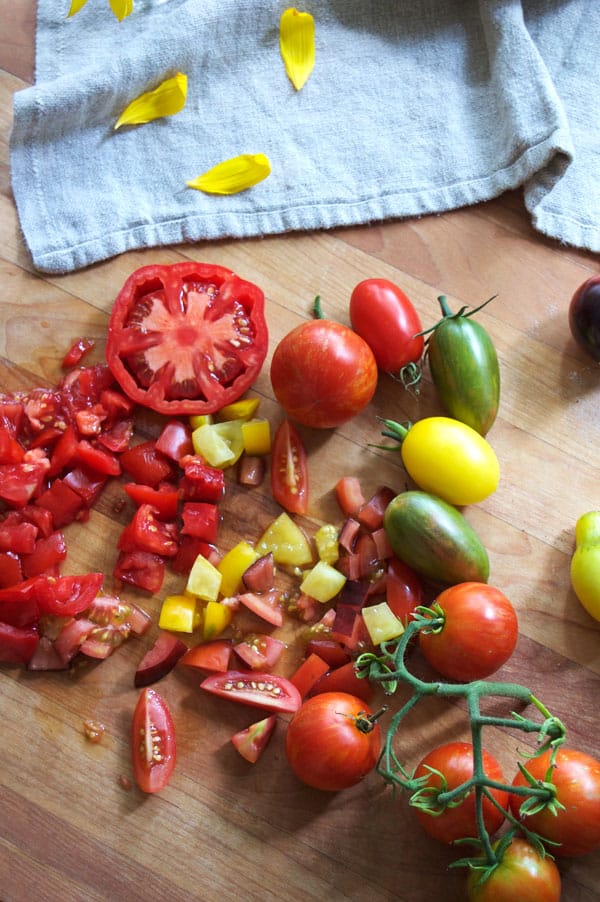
584 316
382 314
575 826
323 374
186 338
448 767
523 874
478 636
152 742
332 741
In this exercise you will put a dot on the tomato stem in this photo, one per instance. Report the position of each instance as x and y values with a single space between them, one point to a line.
389 668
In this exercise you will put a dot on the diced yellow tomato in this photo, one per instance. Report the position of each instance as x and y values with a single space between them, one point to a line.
233 564
178 613
217 618
200 419
204 580
243 409
323 582
286 541
326 542
220 444
381 622
256 435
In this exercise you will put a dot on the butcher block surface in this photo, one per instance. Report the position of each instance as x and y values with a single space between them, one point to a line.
70 828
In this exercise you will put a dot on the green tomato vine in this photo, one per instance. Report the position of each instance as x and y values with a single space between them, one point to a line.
389 669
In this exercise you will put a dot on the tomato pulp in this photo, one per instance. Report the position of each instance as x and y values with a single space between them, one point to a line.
186 338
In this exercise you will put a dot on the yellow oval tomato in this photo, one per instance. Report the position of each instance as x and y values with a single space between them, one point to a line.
449 459
585 563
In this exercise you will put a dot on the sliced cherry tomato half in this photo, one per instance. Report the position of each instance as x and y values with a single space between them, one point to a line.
289 469
153 748
259 690
186 338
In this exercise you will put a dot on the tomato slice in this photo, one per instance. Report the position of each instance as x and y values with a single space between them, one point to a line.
17 644
265 605
67 595
213 656
289 469
308 673
153 747
259 651
186 338
259 690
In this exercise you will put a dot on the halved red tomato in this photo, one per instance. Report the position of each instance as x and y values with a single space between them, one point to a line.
153 747
186 338
259 690
289 470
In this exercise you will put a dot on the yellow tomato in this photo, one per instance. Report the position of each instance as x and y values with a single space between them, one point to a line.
585 563
447 458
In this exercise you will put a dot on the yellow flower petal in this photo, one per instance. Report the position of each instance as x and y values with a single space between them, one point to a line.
165 100
297 45
76 5
234 175
121 8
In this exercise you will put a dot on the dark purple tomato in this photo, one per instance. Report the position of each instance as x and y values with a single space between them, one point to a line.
584 316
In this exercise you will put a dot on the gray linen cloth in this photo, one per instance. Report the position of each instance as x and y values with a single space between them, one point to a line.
412 108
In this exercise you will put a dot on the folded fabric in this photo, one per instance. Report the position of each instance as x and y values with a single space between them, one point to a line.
410 109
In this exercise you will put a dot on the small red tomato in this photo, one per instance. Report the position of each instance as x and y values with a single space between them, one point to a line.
575 826
584 316
383 315
333 741
478 636
523 874
323 374
448 767
152 742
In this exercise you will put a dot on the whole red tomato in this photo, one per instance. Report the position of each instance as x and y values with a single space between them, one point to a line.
331 743
584 316
479 633
383 315
453 763
576 826
323 374
522 876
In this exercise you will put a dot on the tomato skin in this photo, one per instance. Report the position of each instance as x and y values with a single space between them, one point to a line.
289 469
464 369
522 875
479 633
584 316
585 563
162 350
323 374
252 741
153 744
325 746
455 761
577 780
383 315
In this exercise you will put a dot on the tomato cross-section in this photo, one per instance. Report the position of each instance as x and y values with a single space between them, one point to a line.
186 338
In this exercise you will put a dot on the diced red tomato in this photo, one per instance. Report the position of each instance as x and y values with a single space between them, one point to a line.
160 659
10 569
142 569
46 657
200 520
77 351
201 482
175 441
147 532
88 484
20 483
308 673
260 575
259 651
98 459
164 499
11 451
67 595
349 494
371 513
46 556
16 534
72 636
214 656
188 551
403 589
64 504
144 464
329 650
266 605
252 741
17 644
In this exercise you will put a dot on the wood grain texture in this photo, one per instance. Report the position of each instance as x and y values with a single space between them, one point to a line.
68 829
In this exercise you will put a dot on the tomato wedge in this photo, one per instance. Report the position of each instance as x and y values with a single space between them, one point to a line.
259 690
252 741
186 338
153 748
289 469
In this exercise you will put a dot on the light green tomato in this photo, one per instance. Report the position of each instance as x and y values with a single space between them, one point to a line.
585 563
449 459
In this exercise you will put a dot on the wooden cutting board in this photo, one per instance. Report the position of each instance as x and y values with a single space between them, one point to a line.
69 830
